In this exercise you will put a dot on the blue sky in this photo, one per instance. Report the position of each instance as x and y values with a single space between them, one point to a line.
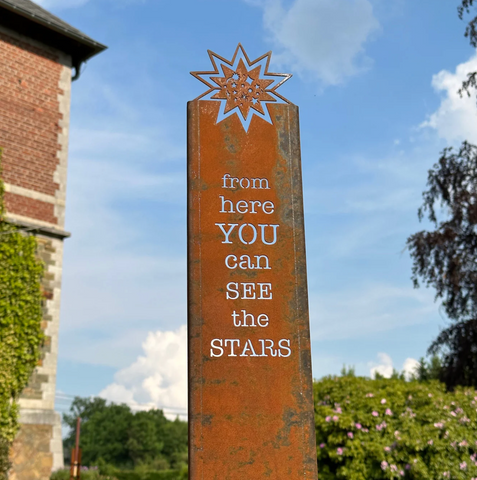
376 83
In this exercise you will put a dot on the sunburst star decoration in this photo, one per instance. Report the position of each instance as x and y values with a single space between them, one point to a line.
245 88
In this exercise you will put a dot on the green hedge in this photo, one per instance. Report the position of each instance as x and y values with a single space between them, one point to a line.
93 474
153 475
389 429
86 474
379 430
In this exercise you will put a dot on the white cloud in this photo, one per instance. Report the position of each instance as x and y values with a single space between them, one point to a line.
365 310
385 366
409 367
323 37
123 274
125 265
456 117
158 378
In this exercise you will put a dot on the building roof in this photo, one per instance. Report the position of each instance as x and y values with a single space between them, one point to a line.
31 20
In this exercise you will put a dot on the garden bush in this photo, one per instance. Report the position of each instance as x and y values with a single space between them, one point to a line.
390 428
152 475
94 473
86 474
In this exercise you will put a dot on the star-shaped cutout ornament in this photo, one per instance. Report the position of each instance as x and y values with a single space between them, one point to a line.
242 87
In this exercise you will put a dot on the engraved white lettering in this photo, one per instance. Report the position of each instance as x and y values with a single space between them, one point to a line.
216 344
231 225
249 290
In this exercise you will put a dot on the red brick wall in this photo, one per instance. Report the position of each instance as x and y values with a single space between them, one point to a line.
28 207
29 123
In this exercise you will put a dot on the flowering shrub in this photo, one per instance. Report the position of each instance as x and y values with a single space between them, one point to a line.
393 429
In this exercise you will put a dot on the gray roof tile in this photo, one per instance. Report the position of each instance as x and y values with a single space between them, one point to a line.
39 14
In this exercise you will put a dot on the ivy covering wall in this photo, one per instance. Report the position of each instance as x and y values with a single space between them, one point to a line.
21 335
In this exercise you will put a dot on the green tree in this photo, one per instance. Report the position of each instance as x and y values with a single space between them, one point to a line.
112 434
446 257
146 437
21 335
104 431
428 370
471 33
176 447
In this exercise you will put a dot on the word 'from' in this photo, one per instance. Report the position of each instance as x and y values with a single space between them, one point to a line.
245 182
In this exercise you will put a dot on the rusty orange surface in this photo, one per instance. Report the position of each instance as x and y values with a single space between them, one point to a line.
250 412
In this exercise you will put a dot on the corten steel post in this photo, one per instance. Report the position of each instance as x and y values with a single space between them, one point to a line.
75 470
250 381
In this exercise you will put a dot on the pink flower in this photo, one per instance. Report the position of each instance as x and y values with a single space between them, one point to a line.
350 435
453 414
401 472
383 401
438 425
430 394
322 445
463 443
338 410
384 465
365 430
387 449
375 413
430 442
446 474
393 468
339 451
335 418
370 395
328 418
463 465
388 411
358 425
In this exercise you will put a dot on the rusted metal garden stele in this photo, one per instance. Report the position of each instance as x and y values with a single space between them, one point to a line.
250 381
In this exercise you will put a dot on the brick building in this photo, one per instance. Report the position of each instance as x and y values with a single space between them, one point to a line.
38 55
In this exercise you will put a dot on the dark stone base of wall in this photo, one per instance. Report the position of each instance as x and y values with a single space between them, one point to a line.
38 449
31 457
